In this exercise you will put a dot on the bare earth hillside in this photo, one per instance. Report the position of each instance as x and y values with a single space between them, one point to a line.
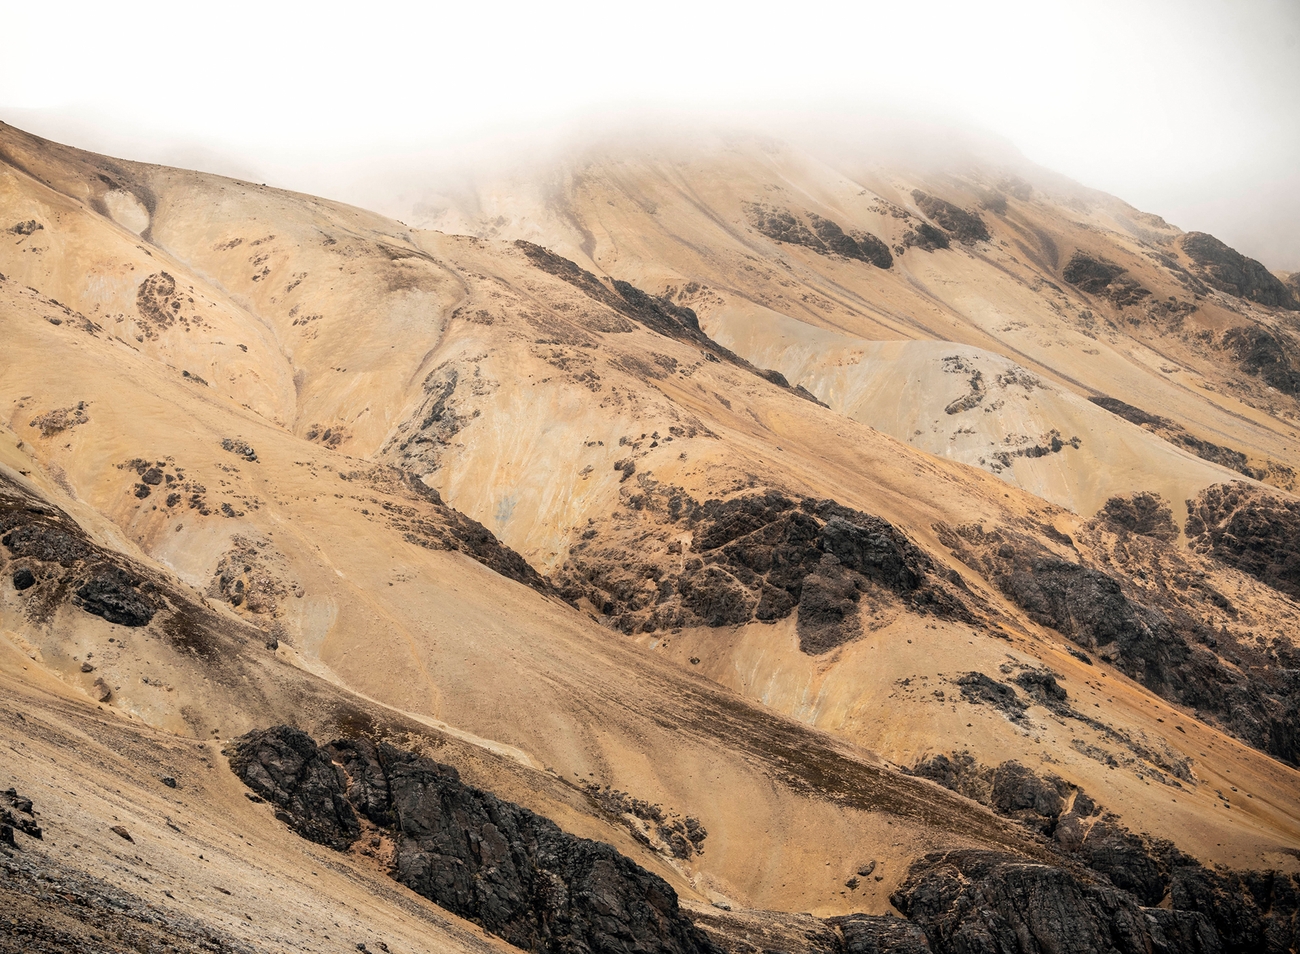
675 550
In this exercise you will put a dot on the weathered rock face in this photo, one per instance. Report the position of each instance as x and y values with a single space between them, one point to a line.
824 237
74 568
1265 355
1251 530
965 227
1228 270
1142 513
511 871
764 556
1166 648
1103 279
872 934
979 901
284 766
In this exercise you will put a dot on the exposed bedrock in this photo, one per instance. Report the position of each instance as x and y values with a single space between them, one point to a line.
1228 270
965 227
761 557
511 871
1157 637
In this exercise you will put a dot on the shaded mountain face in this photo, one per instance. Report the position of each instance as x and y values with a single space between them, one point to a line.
665 547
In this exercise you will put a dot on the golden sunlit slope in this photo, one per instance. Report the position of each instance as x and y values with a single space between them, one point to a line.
738 229
711 591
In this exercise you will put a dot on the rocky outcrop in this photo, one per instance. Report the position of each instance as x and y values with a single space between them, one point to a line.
1177 435
1163 645
1142 513
1250 530
1228 270
1103 279
762 557
56 552
284 766
1265 355
977 901
966 227
825 236
509 870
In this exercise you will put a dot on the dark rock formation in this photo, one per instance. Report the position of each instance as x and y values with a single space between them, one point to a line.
979 689
284 766
113 593
657 314
1250 530
238 447
1142 513
926 237
1103 279
17 814
1165 647
824 237
874 934
23 578
1228 270
971 901
1265 355
513 872
764 556
966 227
1177 435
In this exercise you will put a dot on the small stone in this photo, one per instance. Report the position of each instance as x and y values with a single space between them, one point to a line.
87 667
168 781
102 690
865 870
122 833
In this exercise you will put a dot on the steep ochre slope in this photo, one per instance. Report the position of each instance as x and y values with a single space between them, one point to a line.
651 507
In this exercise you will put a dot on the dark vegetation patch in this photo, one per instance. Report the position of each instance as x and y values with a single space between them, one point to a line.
761 557
1177 435
1249 530
1263 354
514 873
1228 270
824 236
1157 636
1108 882
966 227
659 314
1103 279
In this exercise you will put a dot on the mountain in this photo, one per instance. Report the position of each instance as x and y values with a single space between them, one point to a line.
830 542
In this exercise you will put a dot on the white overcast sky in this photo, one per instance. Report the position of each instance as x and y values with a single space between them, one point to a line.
1190 109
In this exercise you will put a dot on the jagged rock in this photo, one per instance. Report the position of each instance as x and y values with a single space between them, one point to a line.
1177 435
876 934
1228 270
1019 793
511 871
926 237
103 691
122 833
1250 911
1265 355
1104 279
966 227
114 594
983 901
1142 513
1251 530
23 578
1124 858
978 688
284 766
